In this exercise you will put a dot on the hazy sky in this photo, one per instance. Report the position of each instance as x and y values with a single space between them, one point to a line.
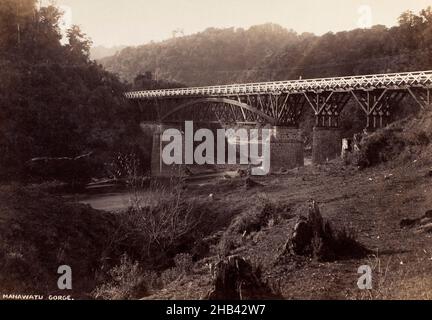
134 22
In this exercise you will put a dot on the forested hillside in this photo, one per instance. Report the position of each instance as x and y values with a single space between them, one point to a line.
100 52
55 101
270 52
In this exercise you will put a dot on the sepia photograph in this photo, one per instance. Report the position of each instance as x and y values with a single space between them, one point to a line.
214 158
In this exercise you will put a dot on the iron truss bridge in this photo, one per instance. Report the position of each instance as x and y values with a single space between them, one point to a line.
283 102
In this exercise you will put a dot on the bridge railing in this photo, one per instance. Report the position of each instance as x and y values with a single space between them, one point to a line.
389 80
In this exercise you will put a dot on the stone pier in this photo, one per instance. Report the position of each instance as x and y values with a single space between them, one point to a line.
158 167
326 145
286 148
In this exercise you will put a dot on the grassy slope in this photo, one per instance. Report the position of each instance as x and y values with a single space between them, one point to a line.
365 201
38 232
371 202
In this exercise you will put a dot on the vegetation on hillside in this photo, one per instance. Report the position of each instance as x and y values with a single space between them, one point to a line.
403 141
271 52
55 101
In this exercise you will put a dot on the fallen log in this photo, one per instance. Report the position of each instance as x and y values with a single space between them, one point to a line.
75 170
55 159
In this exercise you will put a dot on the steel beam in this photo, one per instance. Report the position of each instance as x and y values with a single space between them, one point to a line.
346 84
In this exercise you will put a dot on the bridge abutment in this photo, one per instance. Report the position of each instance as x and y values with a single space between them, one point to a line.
158 167
326 145
286 149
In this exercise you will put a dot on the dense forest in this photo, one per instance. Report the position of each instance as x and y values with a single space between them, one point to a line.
270 52
55 101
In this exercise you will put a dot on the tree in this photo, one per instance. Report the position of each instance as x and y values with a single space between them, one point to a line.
15 16
79 43
54 101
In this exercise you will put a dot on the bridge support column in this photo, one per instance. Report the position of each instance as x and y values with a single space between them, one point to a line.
158 167
156 156
326 145
286 148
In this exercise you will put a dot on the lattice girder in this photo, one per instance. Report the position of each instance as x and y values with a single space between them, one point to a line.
283 102
365 82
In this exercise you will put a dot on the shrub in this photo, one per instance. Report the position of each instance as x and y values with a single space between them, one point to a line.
380 147
160 224
39 232
184 263
183 266
169 275
402 141
264 212
127 282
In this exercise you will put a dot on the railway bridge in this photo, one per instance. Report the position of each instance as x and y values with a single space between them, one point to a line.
280 105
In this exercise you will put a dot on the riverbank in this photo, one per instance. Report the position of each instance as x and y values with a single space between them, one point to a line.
40 231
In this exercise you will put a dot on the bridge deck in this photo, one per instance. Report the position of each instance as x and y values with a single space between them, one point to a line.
364 82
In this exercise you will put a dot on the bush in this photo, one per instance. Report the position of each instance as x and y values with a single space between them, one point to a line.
183 267
184 263
251 221
401 141
40 232
160 224
127 282
380 147
257 218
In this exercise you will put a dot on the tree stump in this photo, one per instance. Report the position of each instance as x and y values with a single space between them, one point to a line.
235 278
315 237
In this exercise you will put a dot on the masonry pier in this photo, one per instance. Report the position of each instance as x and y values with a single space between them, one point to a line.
286 149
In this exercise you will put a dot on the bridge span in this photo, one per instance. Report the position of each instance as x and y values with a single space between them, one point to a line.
281 104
